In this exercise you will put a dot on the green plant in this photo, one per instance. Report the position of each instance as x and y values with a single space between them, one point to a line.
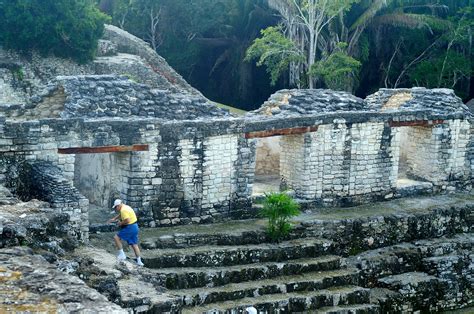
65 28
338 70
131 77
18 73
278 208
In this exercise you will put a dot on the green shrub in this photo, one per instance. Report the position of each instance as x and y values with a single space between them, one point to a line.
278 208
65 28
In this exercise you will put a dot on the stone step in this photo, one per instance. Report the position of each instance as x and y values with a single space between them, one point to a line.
139 297
187 277
102 227
6 197
285 284
408 257
256 235
214 256
184 240
419 290
351 309
290 302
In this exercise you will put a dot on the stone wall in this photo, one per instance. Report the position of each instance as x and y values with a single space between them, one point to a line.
206 179
220 154
268 156
341 160
36 141
51 106
470 154
115 96
144 182
292 164
102 177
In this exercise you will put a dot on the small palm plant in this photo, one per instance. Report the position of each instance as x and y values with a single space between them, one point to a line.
279 208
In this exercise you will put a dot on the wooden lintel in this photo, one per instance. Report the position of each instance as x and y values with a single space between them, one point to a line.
290 131
424 123
103 149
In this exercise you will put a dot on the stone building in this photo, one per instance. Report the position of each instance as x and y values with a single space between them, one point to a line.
179 159
126 125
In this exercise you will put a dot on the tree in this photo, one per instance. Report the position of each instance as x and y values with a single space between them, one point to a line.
305 20
154 33
449 63
275 51
408 36
65 28
338 70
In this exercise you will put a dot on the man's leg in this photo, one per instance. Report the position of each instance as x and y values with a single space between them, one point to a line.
118 243
136 250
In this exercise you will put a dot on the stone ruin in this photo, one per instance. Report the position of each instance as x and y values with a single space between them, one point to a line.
128 126
74 137
179 159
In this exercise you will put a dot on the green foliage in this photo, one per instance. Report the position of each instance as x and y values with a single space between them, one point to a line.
278 208
18 73
442 71
65 28
338 70
413 21
274 51
206 41
131 77
364 48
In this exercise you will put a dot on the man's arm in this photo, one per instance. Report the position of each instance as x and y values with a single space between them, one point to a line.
124 222
113 219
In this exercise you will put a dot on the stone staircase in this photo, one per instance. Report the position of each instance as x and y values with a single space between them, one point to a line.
291 276
430 275
396 256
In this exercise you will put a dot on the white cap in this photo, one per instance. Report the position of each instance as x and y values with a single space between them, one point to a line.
116 203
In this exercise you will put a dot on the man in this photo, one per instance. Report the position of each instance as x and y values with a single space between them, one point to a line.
127 221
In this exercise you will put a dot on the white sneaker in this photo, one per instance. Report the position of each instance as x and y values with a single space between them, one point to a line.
121 256
139 262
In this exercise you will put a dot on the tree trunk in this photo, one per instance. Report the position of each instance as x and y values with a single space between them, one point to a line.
312 55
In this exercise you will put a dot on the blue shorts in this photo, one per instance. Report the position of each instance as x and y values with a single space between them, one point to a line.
129 233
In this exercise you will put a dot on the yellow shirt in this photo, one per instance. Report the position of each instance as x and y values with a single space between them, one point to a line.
127 212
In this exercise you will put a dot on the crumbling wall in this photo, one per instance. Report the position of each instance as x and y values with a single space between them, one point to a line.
8 82
43 181
202 170
470 153
438 154
51 106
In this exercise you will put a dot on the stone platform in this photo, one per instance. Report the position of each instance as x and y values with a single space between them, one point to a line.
29 284
405 255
